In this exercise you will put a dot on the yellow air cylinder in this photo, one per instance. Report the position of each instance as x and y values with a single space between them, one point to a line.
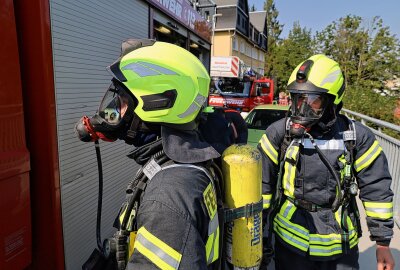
241 166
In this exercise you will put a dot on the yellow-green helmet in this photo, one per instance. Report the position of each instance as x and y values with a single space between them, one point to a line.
318 74
169 83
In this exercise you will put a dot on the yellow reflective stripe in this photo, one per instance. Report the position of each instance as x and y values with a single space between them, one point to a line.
354 242
212 247
293 234
292 227
269 149
329 239
382 210
212 244
331 244
155 250
210 200
290 238
338 214
368 157
122 215
266 200
325 251
287 209
290 171
326 239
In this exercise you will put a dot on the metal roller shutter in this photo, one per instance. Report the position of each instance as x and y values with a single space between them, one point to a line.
86 38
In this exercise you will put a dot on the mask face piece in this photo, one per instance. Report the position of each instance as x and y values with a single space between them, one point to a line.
307 109
114 106
113 118
309 106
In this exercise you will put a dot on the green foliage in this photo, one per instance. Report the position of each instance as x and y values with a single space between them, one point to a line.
291 52
363 100
367 52
274 30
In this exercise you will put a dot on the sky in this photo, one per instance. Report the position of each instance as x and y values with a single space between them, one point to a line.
317 14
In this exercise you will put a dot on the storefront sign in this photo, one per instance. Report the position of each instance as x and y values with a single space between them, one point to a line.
183 12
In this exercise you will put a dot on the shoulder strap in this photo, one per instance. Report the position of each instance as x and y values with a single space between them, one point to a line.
349 138
189 166
287 139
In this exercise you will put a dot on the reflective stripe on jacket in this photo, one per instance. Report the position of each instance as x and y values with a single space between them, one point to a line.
177 221
306 177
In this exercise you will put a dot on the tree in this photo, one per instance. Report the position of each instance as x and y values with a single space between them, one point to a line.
366 52
368 55
274 30
298 46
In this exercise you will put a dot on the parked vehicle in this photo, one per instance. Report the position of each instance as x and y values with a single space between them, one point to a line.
237 87
260 118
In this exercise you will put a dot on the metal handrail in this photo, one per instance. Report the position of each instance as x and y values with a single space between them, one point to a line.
391 147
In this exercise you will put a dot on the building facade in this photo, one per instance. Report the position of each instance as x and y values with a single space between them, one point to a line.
238 32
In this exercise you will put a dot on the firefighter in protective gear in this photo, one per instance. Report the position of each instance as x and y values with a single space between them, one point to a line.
323 159
156 94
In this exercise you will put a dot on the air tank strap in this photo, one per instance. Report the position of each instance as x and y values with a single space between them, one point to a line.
246 211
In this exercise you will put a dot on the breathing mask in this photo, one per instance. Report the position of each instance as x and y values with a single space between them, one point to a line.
113 119
307 109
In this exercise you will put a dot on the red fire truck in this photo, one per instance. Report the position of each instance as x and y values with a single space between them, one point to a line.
234 86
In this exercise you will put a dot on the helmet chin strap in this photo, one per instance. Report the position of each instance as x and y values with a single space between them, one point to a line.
331 116
133 129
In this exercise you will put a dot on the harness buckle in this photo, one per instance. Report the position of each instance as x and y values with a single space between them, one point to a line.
309 206
248 210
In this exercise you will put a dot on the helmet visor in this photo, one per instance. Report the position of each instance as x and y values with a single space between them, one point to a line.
114 105
311 106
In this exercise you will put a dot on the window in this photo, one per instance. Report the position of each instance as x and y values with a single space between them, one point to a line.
261 56
235 44
232 87
207 15
242 47
262 118
256 36
248 50
254 53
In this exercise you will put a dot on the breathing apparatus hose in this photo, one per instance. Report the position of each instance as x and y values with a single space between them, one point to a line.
338 197
100 196
137 186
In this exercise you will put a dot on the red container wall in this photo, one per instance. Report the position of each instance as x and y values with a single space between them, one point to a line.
15 210
34 40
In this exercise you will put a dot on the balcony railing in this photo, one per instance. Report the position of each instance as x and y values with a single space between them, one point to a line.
391 147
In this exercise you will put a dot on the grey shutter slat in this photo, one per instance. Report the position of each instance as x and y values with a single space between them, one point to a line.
86 38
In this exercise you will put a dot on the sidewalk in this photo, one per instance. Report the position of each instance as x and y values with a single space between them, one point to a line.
367 248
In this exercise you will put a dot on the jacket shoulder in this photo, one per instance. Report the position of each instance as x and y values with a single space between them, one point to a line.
276 132
364 135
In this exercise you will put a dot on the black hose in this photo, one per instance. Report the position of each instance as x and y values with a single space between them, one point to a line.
338 197
133 189
99 197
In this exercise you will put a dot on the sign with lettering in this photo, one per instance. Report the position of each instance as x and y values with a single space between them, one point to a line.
182 11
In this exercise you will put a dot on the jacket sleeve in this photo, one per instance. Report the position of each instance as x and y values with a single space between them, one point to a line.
241 127
166 240
269 146
372 172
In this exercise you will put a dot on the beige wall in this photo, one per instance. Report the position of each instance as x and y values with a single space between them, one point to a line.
222 44
228 44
